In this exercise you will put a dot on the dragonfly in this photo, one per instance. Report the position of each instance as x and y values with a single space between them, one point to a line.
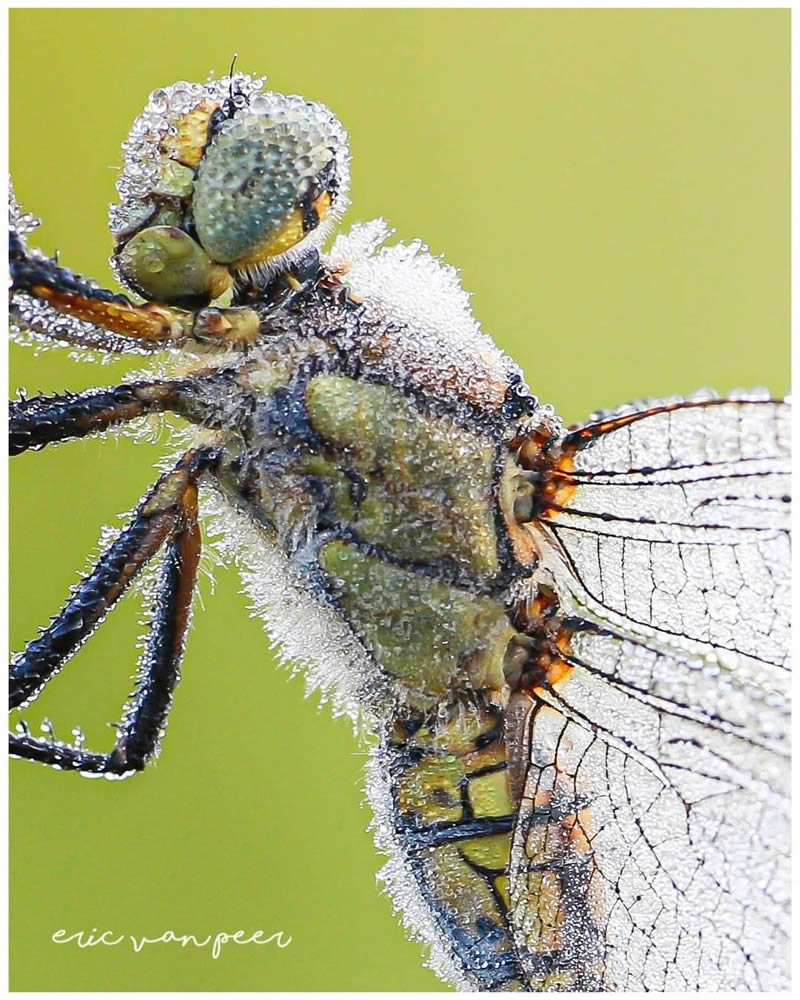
570 645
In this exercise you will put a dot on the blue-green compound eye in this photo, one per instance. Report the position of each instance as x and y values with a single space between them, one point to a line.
270 175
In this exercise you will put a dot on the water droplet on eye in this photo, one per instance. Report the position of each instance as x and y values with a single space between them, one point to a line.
159 100
260 105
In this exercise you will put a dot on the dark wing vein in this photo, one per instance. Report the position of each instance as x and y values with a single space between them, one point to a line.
703 560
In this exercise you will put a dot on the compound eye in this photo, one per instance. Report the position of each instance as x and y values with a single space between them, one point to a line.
269 177
166 264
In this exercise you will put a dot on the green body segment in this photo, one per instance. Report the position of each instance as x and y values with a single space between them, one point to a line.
453 811
433 637
428 482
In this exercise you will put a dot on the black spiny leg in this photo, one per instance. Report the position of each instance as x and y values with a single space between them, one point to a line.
42 420
168 513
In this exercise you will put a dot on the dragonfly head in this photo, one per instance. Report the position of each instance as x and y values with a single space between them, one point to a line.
223 183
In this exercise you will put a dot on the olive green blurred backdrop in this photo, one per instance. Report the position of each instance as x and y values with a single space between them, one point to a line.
614 187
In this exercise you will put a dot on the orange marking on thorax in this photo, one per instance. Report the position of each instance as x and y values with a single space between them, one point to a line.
559 665
549 662
559 487
556 468
554 670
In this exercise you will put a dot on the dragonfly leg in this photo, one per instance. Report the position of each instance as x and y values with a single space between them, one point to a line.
166 516
55 304
41 420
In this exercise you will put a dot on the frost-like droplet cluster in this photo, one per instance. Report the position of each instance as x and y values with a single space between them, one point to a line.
19 221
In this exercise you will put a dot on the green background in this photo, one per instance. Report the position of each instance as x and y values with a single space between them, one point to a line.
614 187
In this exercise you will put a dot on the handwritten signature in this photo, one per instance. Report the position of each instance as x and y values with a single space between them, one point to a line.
91 939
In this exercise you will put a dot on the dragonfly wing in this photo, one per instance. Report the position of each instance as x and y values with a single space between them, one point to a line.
651 846
674 520
652 770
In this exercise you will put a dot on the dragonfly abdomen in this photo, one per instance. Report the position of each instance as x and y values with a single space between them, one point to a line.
446 811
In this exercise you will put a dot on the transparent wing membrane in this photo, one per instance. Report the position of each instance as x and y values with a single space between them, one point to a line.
650 850
676 519
651 846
